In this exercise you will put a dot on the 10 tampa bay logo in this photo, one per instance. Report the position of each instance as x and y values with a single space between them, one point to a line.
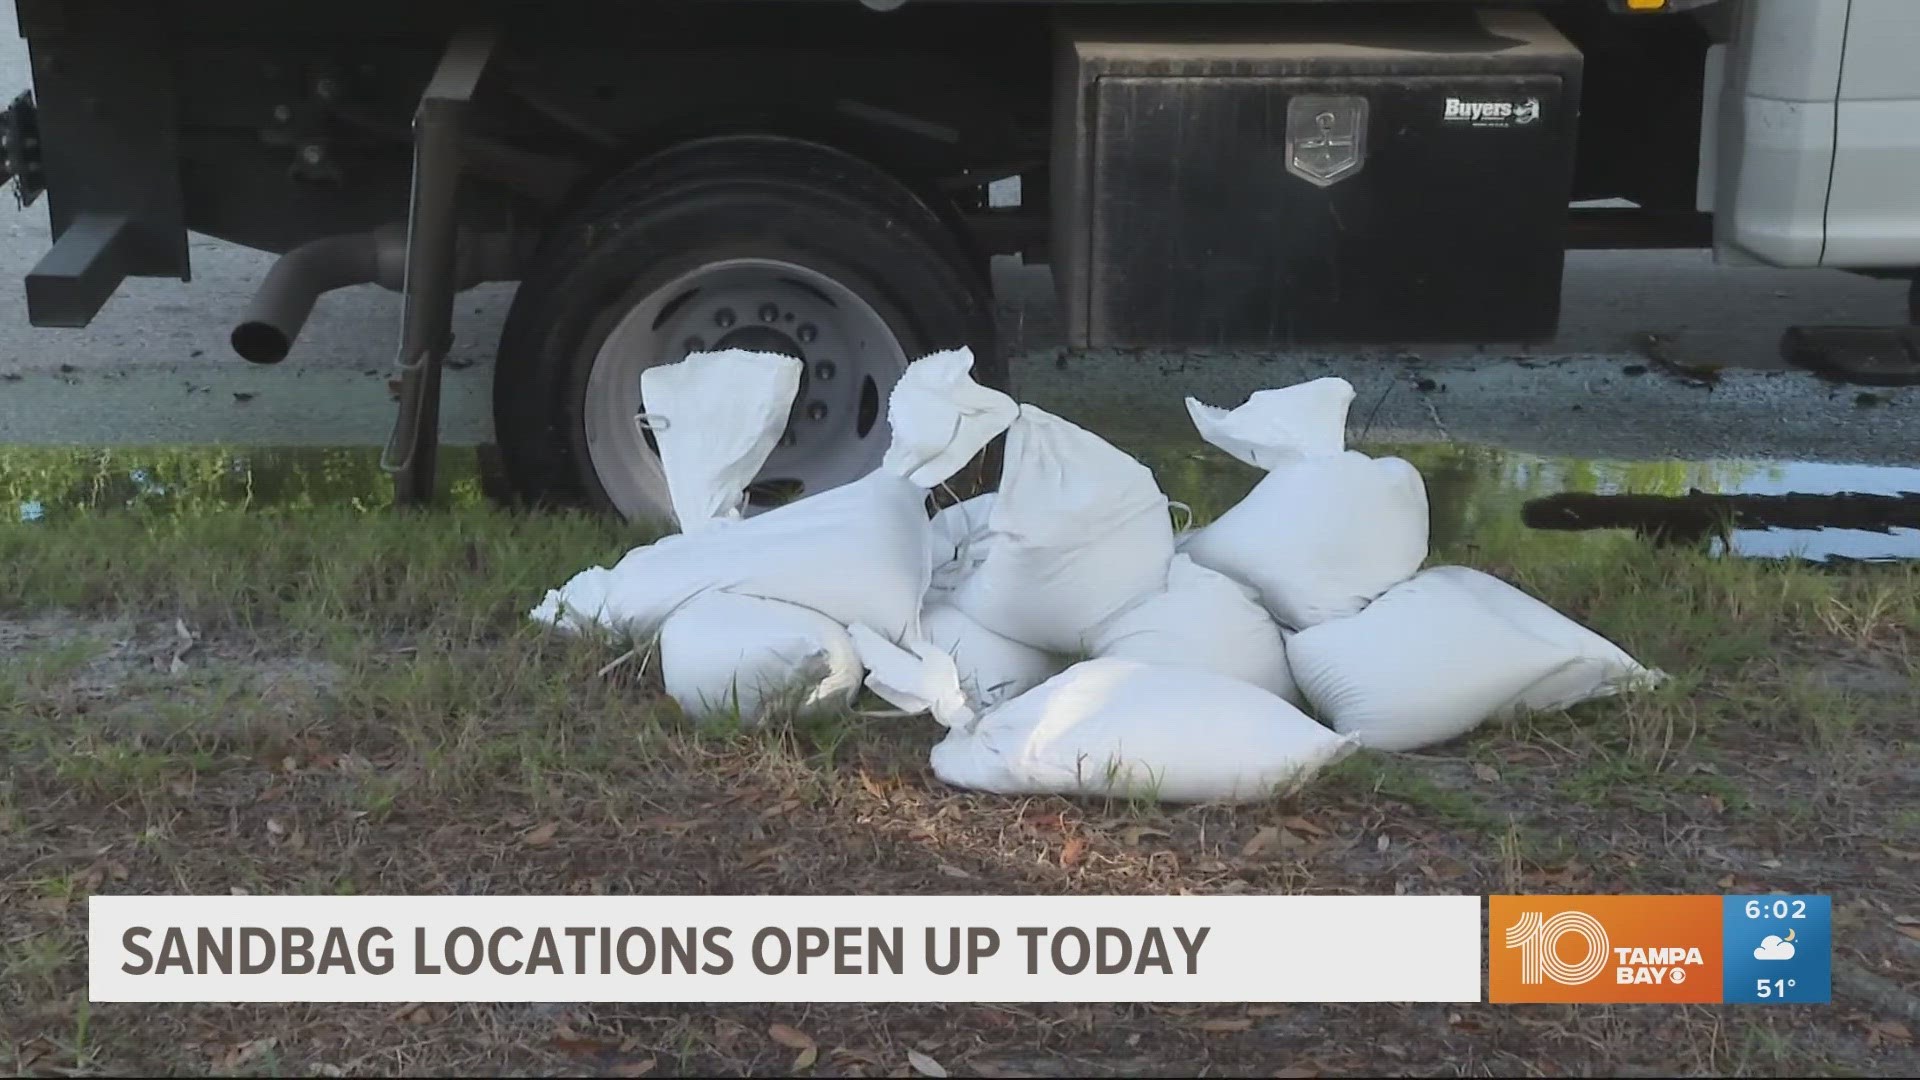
1605 949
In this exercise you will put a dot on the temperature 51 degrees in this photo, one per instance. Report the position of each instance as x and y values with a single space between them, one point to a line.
1774 988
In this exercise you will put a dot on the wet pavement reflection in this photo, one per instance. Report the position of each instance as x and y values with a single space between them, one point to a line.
1765 509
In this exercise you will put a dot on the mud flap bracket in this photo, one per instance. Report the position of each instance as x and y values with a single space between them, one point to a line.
426 333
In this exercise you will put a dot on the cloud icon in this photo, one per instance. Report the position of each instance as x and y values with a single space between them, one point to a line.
1773 948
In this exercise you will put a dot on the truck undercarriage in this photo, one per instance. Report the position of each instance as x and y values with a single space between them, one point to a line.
813 179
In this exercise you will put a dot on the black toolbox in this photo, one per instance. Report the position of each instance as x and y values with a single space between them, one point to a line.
1312 179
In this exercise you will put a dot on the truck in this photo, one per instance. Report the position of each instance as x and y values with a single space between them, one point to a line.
830 180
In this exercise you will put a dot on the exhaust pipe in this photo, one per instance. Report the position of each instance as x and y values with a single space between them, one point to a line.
273 320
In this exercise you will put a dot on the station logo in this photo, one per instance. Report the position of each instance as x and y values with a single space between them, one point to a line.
1491 113
1614 949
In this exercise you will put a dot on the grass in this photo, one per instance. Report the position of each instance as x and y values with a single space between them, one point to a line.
364 709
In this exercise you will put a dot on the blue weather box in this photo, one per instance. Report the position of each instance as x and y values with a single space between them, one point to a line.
1778 949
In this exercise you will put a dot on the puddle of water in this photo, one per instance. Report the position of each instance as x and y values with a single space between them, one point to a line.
1778 509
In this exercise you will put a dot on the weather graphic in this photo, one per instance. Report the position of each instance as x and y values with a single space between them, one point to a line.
1779 949
1775 947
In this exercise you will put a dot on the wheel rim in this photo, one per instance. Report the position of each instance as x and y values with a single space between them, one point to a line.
836 431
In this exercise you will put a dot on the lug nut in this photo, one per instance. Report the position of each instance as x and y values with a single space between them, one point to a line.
807 333
693 345
825 371
769 313
817 411
723 318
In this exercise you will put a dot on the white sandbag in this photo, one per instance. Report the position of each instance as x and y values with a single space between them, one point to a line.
1277 426
941 418
1078 531
1110 727
958 526
1321 536
715 417
861 552
855 553
1124 729
579 606
921 681
1204 620
1434 657
992 668
747 656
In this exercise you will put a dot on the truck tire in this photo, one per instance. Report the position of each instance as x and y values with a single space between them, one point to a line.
765 244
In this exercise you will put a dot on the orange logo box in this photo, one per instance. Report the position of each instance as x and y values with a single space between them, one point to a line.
1612 949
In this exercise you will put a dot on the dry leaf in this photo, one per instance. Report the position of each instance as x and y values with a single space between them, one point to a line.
925 1065
275 827
1486 772
1302 825
1132 836
1222 1027
1901 853
1911 931
633 1068
33 1052
1383 843
1293 1071
805 1058
1725 882
1072 850
1267 837
873 786
790 1037
541 836
1894 1030
953 871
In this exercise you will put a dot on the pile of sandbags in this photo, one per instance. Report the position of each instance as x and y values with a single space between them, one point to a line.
1066 637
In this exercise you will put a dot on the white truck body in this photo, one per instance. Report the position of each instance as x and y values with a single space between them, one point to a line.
1810 149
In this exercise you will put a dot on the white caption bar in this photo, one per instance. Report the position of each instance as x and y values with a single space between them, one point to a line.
784 948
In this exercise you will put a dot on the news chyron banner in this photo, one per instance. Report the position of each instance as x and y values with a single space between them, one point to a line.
1772 949
785 948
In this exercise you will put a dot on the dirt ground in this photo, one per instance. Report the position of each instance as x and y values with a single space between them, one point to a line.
323 702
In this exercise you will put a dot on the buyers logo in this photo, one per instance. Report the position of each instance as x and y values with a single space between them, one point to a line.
1491 113
1605 948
